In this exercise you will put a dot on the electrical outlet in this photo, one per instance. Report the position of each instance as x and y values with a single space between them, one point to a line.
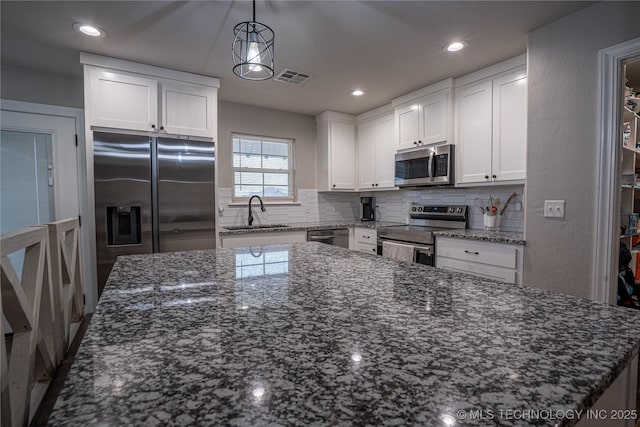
554 208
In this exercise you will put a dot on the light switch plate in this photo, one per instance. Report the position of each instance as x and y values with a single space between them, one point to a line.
554 208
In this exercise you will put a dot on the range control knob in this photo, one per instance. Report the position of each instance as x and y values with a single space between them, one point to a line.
419 208
413 209
452 210
459 210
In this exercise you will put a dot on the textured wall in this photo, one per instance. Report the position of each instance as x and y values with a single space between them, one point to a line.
41 87
262 121
563 141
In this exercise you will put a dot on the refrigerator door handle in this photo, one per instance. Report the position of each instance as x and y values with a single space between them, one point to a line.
155 219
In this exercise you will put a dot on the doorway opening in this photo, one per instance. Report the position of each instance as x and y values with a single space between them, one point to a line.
629 249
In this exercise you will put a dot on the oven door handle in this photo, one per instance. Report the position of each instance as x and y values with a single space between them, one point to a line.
431 165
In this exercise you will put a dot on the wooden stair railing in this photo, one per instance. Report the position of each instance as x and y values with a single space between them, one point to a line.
64 238
42 308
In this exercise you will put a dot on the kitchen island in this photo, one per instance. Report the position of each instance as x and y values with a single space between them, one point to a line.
315 334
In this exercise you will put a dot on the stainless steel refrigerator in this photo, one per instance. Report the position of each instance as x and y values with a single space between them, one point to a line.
152 194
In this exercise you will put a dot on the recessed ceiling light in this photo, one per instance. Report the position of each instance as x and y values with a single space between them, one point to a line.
357 92
455 46
88 30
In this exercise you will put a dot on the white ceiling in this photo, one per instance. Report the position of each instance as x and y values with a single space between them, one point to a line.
386 48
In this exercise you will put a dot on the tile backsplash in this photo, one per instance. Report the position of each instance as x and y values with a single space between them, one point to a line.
393 205
310 207
313 206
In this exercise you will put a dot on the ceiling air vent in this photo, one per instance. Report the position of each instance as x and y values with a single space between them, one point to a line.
292 76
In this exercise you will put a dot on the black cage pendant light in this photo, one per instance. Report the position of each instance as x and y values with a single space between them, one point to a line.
253 49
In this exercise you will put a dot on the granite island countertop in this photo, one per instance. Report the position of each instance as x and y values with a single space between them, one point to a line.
315 334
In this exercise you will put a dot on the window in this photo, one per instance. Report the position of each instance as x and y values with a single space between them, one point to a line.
262 166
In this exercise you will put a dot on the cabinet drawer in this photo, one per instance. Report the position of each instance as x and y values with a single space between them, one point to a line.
366 247
494 254
366 235
481 270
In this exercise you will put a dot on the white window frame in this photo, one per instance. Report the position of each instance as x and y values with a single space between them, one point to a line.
291 170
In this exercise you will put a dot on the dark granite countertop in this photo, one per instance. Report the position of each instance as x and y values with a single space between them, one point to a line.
322 225
488 236
312 334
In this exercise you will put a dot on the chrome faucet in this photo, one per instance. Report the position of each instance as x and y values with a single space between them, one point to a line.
250 212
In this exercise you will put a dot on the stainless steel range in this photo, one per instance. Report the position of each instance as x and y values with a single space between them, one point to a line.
414 242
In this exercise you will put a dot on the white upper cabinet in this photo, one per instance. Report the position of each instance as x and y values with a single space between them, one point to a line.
336 155
367 155
188 109
424 117
407 126
385 152
473 149
435 115
131 96
342 139
376 153
123 101
510 126
491 126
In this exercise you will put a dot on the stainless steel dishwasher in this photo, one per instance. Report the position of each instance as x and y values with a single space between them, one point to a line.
333 236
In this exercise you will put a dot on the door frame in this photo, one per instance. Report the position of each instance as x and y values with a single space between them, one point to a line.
607 221
88 269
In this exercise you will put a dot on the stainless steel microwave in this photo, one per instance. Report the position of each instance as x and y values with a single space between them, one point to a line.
425 166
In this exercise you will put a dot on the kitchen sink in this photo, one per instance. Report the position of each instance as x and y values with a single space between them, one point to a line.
254 227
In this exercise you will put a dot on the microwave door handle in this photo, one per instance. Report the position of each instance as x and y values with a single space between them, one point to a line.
431 165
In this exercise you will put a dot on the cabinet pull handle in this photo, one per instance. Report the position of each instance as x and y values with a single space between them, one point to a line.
376 185
372 185
419 142
334 186
415 143
153 126
494 176
471 252
161 127
486 177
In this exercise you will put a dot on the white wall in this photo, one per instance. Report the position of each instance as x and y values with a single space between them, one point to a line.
563 141
41 87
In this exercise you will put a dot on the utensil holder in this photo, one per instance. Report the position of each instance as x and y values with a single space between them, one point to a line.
492 222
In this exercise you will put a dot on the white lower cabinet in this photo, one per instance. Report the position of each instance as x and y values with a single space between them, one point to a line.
261 239
365 240
496 261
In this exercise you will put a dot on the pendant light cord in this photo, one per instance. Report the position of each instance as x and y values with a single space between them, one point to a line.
254 10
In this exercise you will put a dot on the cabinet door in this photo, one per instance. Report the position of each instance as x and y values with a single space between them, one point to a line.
367 155
407 126
188 109
510 126
123 101
385 152
434 119
473 140
342 146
